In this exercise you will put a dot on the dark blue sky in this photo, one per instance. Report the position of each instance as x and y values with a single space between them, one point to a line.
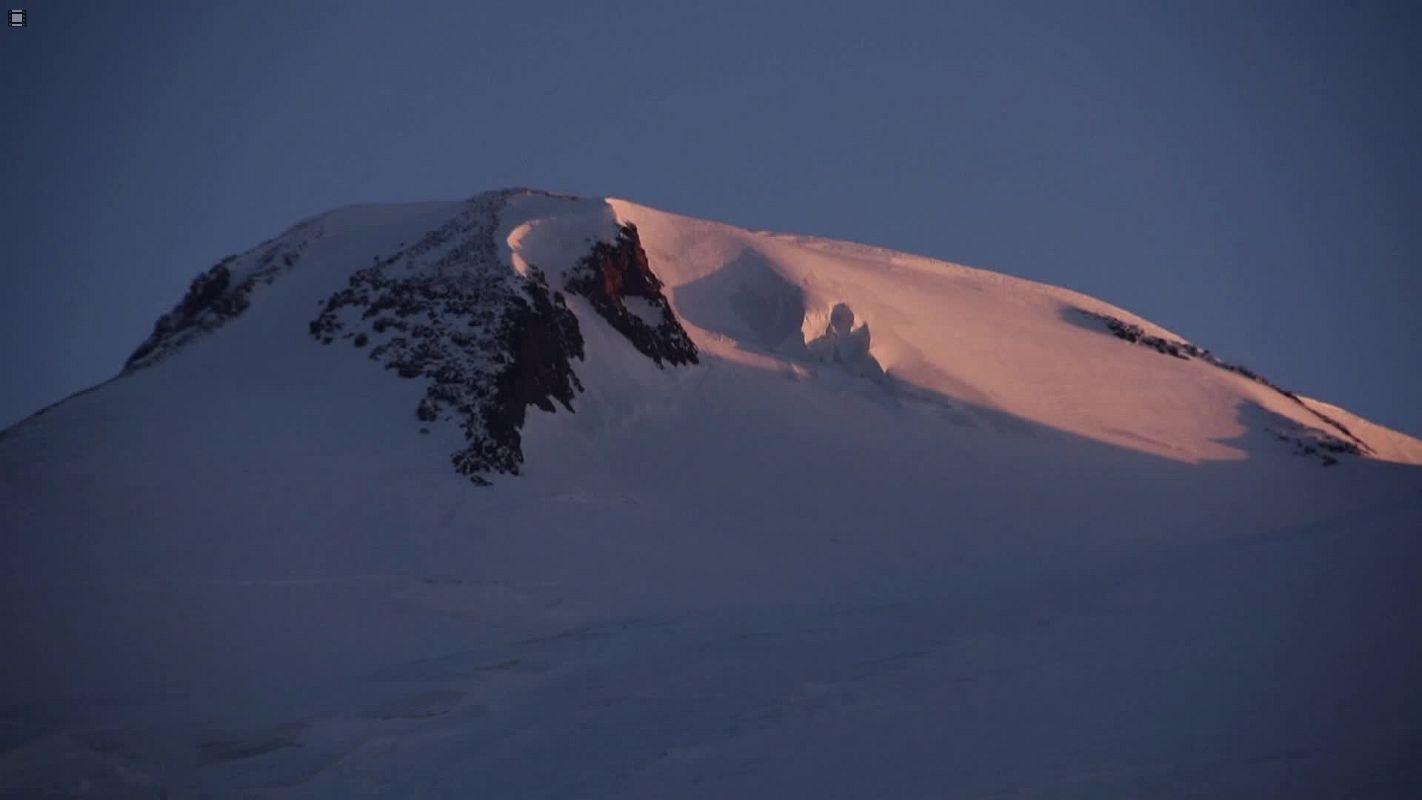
1246 174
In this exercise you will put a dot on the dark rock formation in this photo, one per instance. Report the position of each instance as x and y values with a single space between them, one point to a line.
1317 443
1135 334
615 273
541 337
210 301
218 296
489 342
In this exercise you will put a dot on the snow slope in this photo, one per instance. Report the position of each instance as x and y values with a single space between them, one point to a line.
904 529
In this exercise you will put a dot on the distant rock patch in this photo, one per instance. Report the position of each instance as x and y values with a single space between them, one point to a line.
1316 443
215 298
1307 442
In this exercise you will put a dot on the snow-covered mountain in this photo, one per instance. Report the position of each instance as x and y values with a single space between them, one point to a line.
540 496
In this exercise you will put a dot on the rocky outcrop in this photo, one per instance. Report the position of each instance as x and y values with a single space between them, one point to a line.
1321 444
620 285
541 336
216 297
210 301
489 342
1316 443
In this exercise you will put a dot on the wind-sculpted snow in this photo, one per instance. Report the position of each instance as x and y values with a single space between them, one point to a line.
844 344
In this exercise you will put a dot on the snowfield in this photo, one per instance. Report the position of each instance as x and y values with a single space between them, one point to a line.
904 529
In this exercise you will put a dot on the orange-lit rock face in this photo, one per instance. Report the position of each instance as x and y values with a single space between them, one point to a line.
616 275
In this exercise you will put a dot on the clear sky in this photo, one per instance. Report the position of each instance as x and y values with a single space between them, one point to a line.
1246 174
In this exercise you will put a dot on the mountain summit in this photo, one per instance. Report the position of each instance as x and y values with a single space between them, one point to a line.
532 495
472 303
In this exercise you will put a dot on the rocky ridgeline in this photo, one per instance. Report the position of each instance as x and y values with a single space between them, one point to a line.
218 296
491 342
1315 443
1307 441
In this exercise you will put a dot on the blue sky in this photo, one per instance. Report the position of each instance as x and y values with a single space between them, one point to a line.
1246 174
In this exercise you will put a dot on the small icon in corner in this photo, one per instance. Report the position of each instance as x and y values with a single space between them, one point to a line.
17 18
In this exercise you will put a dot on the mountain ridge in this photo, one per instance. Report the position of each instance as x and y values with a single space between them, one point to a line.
900 527
217 295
